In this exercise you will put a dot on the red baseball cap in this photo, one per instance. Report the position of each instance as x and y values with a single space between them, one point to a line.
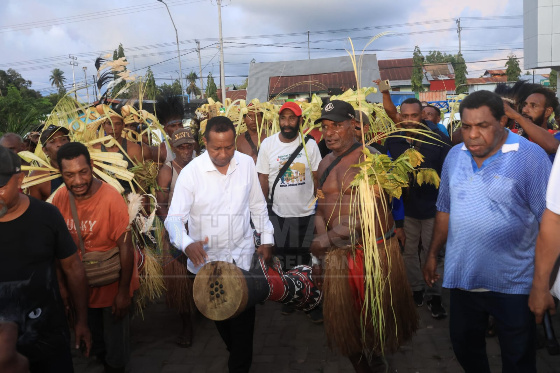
291 106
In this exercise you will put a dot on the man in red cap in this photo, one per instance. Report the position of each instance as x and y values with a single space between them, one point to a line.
288 176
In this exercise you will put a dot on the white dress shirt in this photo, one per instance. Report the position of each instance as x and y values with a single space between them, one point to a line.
219 207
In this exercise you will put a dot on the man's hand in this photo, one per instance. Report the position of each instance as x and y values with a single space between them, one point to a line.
266 252
317 274
401 236
540 301
121 304
378 82
510 112
83 335
195 252
317 248
429 271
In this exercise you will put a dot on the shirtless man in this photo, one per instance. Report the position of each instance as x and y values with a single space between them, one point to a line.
250 141
52 138
335 203
183 142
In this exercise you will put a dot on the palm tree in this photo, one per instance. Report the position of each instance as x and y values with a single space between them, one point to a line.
57 79
192 89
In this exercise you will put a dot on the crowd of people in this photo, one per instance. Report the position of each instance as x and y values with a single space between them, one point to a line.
487 231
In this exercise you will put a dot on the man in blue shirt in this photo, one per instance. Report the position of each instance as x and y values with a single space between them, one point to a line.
419 200
490 203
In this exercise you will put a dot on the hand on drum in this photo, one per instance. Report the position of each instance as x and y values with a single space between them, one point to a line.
266 252
195 252
317 273
429 271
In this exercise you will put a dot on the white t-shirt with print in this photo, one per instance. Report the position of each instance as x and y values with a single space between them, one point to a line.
293 195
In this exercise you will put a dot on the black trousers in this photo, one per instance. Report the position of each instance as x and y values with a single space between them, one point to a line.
237 333
516 329
292 238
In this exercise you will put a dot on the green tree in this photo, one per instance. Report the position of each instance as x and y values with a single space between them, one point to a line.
119 53
170 89
192 89
19 113
244 85
417 70
439 57
460 68
12 78
553 78
512 68
150 89
57 79
211 89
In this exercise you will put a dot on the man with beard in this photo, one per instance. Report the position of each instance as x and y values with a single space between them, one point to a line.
250 141
52 138
419 201
102 216
490 203
288 178
536 109
29 294
177 281
217 194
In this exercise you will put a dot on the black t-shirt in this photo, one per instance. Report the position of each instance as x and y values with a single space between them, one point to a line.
420 201
29 294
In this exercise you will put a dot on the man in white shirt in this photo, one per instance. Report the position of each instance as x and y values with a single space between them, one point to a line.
290 191
217 194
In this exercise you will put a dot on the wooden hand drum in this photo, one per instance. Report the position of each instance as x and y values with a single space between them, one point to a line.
222 290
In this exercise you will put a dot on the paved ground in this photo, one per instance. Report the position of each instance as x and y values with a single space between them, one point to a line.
286 344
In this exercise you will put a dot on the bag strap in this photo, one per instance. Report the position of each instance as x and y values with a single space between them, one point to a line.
335 162
251 143
76 221
287 165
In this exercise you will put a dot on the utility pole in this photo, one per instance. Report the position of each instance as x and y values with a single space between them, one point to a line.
85 80
459 28
222 72
178 52
73 63
200 69
95 87
309 58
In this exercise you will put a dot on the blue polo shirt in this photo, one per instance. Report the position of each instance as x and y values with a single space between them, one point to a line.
494 214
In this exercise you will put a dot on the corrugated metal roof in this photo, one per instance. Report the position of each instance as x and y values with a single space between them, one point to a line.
397 69
238 94
495 72
438 70
320 82
490 79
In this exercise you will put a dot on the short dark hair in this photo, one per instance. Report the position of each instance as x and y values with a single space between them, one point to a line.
413 100
550 97
219 124
70 151
435 108
484 98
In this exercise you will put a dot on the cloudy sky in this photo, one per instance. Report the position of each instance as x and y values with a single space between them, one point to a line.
38 36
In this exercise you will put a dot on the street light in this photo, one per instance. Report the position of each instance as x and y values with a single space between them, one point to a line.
178 53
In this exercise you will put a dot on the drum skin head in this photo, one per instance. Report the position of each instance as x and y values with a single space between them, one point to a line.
220 291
